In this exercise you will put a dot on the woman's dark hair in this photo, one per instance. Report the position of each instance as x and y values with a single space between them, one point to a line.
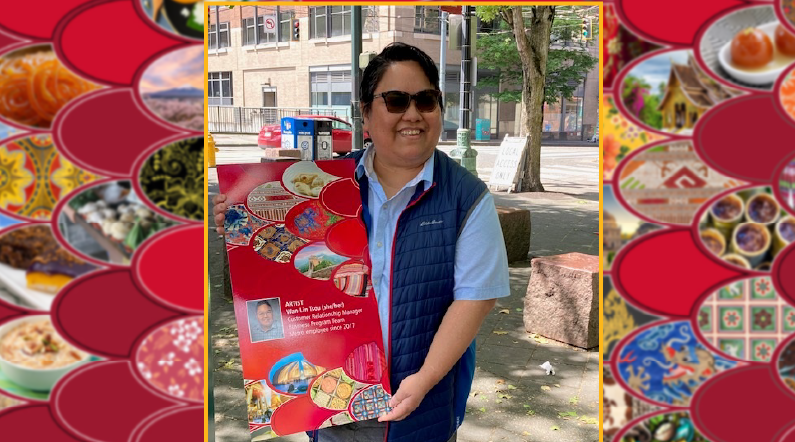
392 53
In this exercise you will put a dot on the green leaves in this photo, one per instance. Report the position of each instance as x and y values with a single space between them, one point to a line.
567 61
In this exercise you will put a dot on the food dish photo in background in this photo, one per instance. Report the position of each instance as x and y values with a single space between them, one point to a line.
33 356
749 47
34 266
35 85
107 222
747 228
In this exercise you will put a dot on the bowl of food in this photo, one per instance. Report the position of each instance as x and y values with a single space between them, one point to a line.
34 355
758 55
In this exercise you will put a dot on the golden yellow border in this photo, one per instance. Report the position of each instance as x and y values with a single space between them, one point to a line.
208 4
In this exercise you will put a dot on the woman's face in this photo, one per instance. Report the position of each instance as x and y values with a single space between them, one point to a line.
406 139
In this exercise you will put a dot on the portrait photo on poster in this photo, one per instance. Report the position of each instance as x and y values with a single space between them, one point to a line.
265 319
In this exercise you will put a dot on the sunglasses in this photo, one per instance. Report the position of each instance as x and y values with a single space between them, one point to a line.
398 102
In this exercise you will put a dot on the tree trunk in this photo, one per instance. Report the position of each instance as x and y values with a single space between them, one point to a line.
533 48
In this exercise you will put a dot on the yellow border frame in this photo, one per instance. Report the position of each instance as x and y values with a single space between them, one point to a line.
208 4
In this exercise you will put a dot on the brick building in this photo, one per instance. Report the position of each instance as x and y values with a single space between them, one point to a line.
256 61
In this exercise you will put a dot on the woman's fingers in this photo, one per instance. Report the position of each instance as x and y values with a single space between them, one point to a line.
217 199
219 220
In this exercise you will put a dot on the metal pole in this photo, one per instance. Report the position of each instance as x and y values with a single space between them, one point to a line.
443 66
467 155
356 49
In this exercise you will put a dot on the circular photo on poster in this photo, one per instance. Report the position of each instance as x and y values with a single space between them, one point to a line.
182 17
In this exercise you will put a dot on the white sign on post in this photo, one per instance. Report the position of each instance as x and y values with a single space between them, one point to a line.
509 158
269 24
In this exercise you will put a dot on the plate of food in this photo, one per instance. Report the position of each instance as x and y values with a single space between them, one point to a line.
34 267
305 179
758 55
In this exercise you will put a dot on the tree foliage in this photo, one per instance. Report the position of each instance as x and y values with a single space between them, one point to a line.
567 63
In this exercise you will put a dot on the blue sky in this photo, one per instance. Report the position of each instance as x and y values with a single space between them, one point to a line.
657 69
627 221
183 67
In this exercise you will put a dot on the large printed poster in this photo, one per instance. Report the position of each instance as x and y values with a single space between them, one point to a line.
310 337
698 221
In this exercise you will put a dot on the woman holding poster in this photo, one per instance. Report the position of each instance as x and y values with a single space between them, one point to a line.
437 254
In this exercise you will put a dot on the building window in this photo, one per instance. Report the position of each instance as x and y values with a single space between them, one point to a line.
249 37
340 20
249 30
222 34
427 19
331 87
334 21
317 22
285 25
370 19
219 89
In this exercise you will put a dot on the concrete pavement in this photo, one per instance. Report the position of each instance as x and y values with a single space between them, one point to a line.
512 398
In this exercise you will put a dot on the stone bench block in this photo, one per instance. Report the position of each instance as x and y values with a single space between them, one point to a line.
516 230
562 300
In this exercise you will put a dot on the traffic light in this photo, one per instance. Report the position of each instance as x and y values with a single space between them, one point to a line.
296 30
584 31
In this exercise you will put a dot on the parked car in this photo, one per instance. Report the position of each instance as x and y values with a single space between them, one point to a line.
270 136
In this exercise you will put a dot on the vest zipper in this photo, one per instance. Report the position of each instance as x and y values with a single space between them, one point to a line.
392 282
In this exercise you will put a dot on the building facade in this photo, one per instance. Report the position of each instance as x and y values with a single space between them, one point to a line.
298 59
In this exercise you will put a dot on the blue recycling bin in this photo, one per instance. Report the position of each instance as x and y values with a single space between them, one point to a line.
482 129
298 133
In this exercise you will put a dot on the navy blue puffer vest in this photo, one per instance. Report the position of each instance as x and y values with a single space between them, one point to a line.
423 265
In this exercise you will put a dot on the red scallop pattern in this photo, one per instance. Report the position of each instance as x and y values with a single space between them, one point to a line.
115 313
643 270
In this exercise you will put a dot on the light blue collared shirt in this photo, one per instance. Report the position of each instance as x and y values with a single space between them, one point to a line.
481 264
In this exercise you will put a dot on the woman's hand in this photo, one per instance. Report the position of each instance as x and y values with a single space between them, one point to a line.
219 209
408 397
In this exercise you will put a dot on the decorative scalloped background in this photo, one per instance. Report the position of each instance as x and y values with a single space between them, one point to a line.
678 348
155 339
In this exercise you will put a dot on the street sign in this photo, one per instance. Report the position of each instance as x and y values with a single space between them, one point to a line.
509 159
270 24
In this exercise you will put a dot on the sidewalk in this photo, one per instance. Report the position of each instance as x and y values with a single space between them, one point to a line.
512 399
